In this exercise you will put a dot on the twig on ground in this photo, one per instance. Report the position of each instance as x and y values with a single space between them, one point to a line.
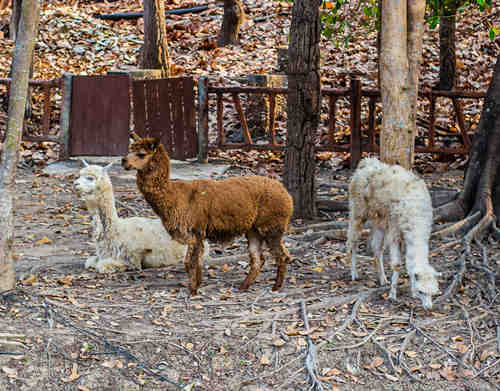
354 313
310 359
457 280
471 328
486 368
381 324
320 226
441 348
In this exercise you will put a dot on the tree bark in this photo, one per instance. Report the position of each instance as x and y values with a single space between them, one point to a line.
21 62
447 56
155 50
303 105
479 201
401 53
14 19
234 16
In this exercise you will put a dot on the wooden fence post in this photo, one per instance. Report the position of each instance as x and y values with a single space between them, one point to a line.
65 121
202 120
355 121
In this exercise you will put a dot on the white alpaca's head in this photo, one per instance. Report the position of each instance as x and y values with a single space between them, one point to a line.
92 181
426 284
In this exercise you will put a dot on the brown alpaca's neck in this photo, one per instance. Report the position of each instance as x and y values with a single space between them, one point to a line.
156 175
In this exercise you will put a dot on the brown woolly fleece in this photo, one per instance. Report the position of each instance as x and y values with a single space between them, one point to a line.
193 211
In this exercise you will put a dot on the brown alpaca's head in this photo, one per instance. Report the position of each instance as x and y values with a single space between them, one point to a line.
140 152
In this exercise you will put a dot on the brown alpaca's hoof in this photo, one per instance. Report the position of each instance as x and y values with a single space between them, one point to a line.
193 291
243 287
277 287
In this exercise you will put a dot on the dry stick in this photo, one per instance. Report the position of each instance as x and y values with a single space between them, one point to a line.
457 280
334 301
418 330
321 226
310 360
471 327
365 339
486 368
361 297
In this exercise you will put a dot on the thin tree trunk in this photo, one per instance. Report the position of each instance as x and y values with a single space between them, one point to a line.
155 49
14 18
23 53
401 51
303 105
234 15
447 55
415 37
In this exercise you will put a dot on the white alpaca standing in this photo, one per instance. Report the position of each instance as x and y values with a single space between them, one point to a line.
397 205
121 244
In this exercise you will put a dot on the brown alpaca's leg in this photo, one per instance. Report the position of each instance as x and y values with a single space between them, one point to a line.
281 257
256 259
193 265
197 262
188 264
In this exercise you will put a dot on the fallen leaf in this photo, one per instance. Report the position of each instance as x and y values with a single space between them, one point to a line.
74 374
44 240
390 377
278 342
448 373
264 360
11 372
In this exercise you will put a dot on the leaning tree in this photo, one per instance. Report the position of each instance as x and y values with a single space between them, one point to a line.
477 206
21 62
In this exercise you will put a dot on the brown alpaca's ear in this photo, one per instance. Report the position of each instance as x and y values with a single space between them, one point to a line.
155 143
135 137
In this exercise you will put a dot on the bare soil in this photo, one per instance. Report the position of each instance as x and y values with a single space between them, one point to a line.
67 328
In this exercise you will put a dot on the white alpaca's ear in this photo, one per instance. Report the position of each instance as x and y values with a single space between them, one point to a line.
84 162
106 168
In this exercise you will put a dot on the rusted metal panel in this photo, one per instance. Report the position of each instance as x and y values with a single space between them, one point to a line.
100 115
164 108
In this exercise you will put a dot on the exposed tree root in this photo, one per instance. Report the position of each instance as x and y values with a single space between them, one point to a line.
462 225
310 359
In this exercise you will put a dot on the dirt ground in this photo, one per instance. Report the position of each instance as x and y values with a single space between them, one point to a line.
67 328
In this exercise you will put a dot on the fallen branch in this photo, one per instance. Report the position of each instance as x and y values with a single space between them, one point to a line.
138 15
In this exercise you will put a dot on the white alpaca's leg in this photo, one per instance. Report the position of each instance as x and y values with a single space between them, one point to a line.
378 245
353 233
91 262
395 254
110 265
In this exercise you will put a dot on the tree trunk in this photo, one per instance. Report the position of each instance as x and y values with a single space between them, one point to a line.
234 16
303 105
14 18
155 49
447 57
22 58
479 201
401 52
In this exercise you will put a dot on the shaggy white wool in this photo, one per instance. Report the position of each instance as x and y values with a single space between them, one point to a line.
122 244
397 205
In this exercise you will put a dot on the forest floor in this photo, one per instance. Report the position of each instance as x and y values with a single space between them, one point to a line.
74 329
67 328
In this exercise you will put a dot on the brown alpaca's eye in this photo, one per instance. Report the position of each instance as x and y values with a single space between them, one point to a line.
141 155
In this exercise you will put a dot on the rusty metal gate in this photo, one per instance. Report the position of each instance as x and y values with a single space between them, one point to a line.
164 108
100 115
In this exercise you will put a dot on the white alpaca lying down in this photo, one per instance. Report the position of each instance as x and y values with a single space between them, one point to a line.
397 205
121 244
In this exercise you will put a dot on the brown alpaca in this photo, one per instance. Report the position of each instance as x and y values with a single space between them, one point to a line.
192 211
